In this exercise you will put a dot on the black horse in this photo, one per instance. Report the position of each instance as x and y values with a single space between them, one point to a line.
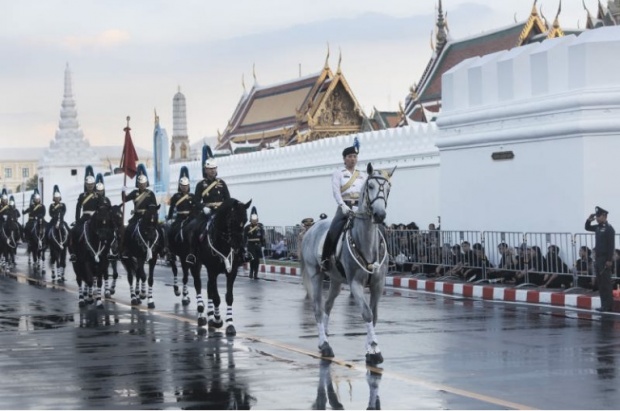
92 254
221 250
9 237
58 241
116 213
145 245
178 244
37 243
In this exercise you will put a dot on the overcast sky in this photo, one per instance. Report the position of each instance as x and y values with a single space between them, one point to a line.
129 57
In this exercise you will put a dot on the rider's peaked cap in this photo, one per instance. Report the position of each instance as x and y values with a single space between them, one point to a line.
11 200
142 177
254 214
184 176
35 194
56 191
354 149
208 160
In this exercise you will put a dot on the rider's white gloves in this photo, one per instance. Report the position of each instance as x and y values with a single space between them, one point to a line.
345 209
206 210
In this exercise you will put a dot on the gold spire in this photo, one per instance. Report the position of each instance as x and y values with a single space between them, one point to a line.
327 57
556 21
534 11
339 60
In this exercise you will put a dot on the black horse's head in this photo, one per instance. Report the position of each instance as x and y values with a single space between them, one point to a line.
101 224
149 222
229 221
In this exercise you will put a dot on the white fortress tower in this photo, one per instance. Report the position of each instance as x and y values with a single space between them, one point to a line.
179 149
63 163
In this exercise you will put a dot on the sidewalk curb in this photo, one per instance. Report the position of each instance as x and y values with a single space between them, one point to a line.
484 292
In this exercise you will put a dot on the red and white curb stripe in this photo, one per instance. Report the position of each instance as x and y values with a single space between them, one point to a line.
484 292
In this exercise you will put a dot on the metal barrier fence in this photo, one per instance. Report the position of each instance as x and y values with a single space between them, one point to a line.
553 260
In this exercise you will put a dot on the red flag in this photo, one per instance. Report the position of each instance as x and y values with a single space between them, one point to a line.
129 157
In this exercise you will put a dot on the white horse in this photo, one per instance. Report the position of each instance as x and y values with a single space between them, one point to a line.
361 255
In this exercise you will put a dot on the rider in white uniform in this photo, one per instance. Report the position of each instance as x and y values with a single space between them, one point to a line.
347 182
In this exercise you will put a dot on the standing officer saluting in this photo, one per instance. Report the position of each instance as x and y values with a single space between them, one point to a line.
604 252
347 182
254 234
210 193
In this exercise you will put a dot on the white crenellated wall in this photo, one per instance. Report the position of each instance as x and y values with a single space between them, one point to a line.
556 106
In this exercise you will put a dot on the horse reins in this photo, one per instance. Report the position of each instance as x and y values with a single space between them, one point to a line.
100 248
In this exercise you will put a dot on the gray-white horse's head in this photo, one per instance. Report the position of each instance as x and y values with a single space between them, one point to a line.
375 193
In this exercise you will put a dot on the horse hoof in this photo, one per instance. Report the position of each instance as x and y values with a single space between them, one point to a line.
81 303
230 331
201 331
53 276
202 321
112 291
107 294
177 291
373 359
216 324
326 350
100 305
201 308
142 296
151 305
185 301
135 301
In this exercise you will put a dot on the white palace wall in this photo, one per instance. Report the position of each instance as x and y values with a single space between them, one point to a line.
556 106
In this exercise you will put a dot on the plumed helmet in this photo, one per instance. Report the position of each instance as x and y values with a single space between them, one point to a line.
89 176
354 149
56 192
254 214
184 176
4 195
142 177
99 186
35 195
11 201
208 160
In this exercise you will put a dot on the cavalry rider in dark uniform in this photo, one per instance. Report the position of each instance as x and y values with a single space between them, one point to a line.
603 256
57 212
182 207
347 182
16 214
5 210
36 210
254 235
100 190
210 193
87 204
142 199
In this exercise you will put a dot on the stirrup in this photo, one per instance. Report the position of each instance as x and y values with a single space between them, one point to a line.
190 259
72 258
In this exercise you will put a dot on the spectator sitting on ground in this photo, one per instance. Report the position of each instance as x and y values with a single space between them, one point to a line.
446 262
468 255
523 263
583 268
457 262
558 271
279 248
538 266
481 264
505 270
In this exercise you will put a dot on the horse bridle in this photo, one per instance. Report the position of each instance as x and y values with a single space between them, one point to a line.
381 195
228 239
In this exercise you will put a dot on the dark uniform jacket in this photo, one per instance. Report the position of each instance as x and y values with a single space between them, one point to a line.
211 193
605 241
87 203
35 210
57 211
182 204
141 202
254 235
15 212
5 210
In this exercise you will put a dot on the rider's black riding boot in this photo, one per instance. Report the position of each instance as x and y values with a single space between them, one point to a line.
191 257
327 251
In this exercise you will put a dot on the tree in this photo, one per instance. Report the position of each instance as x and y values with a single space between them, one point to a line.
31 184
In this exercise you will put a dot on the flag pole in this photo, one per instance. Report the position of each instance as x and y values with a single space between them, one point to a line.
126 130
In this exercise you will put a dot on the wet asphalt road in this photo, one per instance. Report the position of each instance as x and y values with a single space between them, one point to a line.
440 352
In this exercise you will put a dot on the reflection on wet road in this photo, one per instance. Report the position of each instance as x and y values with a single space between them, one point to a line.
439 352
